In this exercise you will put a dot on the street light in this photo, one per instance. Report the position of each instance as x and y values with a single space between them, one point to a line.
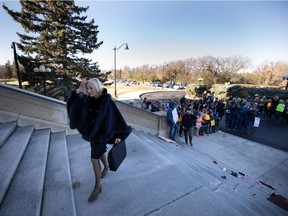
43 72
200 80
115 49
16 64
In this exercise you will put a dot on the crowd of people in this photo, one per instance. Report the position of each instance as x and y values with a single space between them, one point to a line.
202 116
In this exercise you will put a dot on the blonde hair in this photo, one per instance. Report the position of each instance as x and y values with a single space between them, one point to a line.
97 84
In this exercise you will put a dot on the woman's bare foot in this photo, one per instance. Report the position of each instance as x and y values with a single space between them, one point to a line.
95 193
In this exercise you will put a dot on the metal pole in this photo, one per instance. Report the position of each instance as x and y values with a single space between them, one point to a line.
115 49
163 77
115 72
16 64
44 85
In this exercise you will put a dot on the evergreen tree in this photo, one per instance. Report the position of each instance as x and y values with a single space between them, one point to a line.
56 34
8 70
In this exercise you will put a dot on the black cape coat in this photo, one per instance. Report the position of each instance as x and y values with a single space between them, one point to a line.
108 125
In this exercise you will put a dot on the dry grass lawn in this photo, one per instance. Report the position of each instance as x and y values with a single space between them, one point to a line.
123 88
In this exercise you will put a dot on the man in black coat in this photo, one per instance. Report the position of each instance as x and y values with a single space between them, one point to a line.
188 123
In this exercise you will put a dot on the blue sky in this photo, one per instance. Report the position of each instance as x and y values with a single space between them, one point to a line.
158 32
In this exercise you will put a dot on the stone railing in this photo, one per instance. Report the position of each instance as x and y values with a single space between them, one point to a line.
44 112
29 108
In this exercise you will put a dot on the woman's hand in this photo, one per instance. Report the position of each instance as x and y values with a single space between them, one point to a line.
117 140
82 86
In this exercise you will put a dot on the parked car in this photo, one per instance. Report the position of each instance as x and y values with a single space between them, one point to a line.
168 85
108 82
179 86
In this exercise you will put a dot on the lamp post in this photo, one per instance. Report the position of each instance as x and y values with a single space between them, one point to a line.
200 80
43 72
115 49
16 64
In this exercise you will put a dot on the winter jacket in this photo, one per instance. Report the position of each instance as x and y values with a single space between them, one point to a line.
97 120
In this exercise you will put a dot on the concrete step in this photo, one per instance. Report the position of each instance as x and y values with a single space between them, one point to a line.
81 171
24 195
191 157
195 169
189 198
145 182
6 129
11 154
169 151
58 199
195 203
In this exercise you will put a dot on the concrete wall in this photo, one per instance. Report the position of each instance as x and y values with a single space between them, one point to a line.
154 123
29 108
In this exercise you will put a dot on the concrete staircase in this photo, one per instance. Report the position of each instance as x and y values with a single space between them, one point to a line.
38 169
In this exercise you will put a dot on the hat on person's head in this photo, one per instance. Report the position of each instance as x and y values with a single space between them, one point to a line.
171 104
256 95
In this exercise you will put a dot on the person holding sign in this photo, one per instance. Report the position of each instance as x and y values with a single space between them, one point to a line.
172 118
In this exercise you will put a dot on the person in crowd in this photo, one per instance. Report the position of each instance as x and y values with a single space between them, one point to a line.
183 101
181 113
267 109
164 107
155 106
207 119
212 97
174 128
250 118
198 125
145 106
188 123
234 114
251 114
220 108
262 103
275 101
94 114
212 123
286 111
227 111
204 122
217 122
279 112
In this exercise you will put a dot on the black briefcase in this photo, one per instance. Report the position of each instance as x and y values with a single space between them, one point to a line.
116 155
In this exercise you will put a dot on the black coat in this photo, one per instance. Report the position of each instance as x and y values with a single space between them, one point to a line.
104 126
189 120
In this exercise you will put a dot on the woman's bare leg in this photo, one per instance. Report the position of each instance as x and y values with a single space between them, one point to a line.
103 159
98 187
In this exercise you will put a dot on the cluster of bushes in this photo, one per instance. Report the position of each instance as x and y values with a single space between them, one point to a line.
222 91
242 91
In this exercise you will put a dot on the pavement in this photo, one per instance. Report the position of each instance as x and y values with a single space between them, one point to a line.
268 133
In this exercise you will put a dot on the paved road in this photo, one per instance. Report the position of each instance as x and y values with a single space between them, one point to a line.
269 133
